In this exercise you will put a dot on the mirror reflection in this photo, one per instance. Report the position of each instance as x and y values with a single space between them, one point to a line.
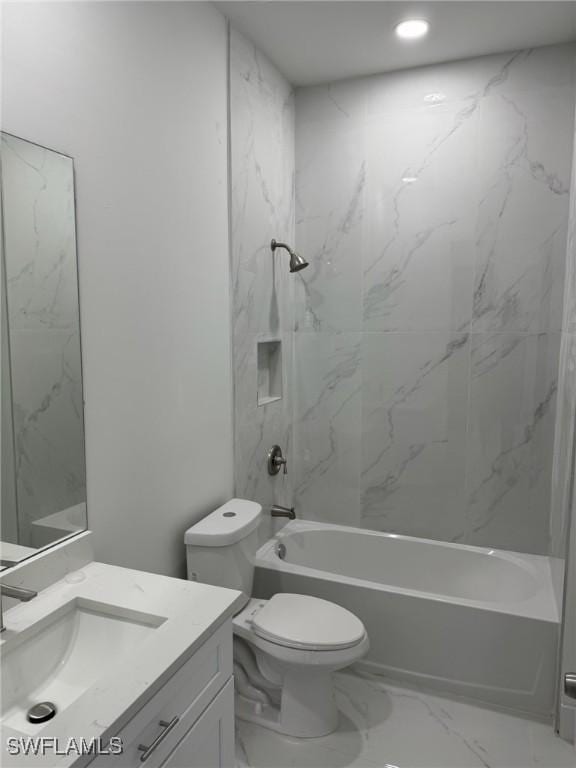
43 474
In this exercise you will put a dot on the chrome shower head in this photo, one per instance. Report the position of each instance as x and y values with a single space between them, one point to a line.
297 262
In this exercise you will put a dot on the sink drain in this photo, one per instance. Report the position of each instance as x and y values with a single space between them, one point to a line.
42 712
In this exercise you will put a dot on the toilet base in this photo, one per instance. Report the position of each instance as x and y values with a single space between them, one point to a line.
307 706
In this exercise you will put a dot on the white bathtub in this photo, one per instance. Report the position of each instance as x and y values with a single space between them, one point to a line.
476 622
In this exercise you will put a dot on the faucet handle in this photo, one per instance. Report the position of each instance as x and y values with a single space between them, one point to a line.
276 460
18 593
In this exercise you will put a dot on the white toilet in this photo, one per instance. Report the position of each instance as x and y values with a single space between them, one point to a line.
285 648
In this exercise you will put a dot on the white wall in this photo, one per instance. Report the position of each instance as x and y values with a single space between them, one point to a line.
136 93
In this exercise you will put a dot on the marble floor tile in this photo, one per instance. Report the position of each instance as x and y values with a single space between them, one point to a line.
258 747
385 725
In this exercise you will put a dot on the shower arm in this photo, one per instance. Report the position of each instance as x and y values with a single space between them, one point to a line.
275 244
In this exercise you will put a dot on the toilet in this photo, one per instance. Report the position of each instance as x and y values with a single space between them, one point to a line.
285 648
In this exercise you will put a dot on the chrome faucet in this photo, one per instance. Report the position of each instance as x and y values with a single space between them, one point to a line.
278 511
18 593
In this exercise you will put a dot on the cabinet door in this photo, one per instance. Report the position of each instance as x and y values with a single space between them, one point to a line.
168 715
210 741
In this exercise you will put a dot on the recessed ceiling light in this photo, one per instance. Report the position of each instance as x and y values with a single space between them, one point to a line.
412 29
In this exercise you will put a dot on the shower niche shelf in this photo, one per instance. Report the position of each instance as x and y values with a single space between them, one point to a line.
269 384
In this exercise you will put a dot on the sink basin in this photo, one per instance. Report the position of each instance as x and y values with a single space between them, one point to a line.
61 656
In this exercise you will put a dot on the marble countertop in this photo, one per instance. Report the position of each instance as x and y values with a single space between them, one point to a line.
192 612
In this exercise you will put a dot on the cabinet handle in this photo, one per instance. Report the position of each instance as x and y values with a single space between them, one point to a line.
147 751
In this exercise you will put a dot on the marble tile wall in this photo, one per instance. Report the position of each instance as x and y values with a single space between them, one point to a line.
262 208
432 205
566 399
44 333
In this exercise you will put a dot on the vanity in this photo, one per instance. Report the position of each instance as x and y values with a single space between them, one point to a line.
138 666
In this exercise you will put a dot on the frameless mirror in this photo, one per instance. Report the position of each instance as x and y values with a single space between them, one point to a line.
43 477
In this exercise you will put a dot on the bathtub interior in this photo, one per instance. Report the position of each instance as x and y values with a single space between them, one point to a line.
495 579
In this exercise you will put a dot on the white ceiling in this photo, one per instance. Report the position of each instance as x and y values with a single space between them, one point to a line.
314 42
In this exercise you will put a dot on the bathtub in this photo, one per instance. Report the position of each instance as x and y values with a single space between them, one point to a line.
474 622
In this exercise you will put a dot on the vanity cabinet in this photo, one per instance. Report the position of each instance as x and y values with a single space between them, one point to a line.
189 722
210 741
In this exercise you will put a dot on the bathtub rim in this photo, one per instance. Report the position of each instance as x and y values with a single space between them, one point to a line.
543 606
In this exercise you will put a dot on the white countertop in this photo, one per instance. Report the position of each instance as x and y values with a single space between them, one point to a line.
192 612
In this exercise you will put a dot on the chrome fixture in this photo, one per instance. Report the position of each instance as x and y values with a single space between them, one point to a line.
18 593
280 550
276 460
278 511
42 712
297 262
166 728
570 685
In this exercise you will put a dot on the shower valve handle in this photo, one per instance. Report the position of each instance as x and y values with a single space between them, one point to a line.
276 460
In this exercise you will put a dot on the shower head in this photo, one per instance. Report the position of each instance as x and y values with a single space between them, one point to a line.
297 262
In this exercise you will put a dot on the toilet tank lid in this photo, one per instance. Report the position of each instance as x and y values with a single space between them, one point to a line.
226 525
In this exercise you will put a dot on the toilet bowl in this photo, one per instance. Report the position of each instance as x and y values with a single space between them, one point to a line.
285 648
297 642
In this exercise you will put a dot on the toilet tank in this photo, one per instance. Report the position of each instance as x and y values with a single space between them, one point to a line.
220 548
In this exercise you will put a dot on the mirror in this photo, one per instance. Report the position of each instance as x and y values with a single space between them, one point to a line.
43 472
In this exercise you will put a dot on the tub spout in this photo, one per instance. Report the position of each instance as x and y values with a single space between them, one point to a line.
277 511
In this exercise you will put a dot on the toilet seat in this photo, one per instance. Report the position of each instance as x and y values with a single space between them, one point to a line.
306 623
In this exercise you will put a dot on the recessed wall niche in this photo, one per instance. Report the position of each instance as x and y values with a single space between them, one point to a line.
269 372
